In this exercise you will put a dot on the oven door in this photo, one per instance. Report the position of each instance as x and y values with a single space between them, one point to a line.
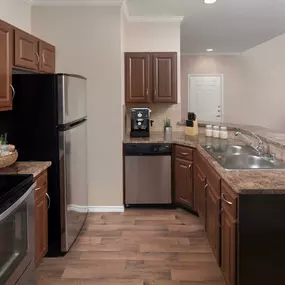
17 239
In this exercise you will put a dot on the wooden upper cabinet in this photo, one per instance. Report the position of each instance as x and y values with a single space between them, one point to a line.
184 182
26 51
47 57
164 77
6 43
137 77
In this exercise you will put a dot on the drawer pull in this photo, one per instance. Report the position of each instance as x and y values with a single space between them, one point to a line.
205 187
225 200
48 197
184 153
39 188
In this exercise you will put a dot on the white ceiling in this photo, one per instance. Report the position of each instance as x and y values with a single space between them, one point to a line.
228 26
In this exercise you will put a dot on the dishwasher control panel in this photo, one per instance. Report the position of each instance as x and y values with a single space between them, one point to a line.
148 149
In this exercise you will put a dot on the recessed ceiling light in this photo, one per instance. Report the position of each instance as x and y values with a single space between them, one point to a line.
209 49
209 1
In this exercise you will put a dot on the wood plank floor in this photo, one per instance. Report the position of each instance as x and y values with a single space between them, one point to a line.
138 247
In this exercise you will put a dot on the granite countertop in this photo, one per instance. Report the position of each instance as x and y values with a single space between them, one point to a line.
275 137
30 167
242 181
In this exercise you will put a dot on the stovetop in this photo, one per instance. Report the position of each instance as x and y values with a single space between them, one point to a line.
12 187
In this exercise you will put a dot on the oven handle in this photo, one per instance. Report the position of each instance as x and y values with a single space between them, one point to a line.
11 209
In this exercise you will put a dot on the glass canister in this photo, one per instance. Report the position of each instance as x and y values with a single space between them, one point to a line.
224 133
209 131
216 132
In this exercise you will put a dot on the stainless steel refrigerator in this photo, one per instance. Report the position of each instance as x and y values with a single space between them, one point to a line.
49 123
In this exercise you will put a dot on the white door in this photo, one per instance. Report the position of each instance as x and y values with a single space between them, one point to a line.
205 97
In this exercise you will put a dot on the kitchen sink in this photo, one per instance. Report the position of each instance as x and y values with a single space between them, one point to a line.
236 157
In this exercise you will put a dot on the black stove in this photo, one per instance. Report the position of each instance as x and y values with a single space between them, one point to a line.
12 187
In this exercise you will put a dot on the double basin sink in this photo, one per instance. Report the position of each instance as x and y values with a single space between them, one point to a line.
238 157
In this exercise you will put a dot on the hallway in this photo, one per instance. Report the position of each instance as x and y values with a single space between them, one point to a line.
138 247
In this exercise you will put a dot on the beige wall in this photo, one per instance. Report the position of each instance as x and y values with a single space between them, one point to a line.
264 75
17 13
88 42
254 85
230 67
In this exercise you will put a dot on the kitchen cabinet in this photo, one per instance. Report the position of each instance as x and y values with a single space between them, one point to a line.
137 77
6 47
47 57
164 67
184 176
228 234
151 77
41 217
26 50
32 53
213 220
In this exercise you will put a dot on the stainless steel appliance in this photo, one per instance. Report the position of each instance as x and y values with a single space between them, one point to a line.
140 122
148 174
17 230
49 123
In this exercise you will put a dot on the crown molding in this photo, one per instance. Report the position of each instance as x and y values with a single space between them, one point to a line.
211 54
76 2
154 19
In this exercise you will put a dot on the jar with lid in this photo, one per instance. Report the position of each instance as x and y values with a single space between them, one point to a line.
224 133
209 131
216 132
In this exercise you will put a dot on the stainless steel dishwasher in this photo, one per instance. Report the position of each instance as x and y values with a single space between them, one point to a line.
147 174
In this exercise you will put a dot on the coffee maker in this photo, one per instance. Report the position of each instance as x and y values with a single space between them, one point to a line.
140 122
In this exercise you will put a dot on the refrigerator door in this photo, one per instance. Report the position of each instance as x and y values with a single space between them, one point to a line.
72 90
73 182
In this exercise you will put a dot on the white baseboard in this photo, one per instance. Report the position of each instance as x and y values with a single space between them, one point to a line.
96 209
106 209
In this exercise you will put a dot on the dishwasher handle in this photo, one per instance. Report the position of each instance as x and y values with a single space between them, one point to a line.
147 149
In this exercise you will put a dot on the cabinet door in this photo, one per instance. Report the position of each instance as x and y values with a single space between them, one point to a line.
41 227
137 77
26 51
164 67
6 42
228 246
200 193
213 220
184 182
47 57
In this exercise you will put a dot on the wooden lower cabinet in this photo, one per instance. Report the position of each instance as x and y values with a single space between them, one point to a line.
213 221
228 248
200 193
184 182
41 218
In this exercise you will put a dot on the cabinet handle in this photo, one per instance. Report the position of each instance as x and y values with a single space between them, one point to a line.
39 188
44 59
225 200
190 165
155 92
13 91
184 153
38 57
204 180
205 187
48 197
146 92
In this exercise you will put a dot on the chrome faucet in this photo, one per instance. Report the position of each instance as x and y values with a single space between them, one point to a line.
259 147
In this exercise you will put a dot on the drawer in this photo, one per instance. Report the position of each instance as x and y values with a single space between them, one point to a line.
229 200
184 152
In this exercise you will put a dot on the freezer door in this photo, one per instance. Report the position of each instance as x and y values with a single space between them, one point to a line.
72 92
73 184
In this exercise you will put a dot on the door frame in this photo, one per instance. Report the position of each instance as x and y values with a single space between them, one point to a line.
222 89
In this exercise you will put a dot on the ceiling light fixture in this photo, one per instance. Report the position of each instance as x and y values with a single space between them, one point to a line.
209 1
209 49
